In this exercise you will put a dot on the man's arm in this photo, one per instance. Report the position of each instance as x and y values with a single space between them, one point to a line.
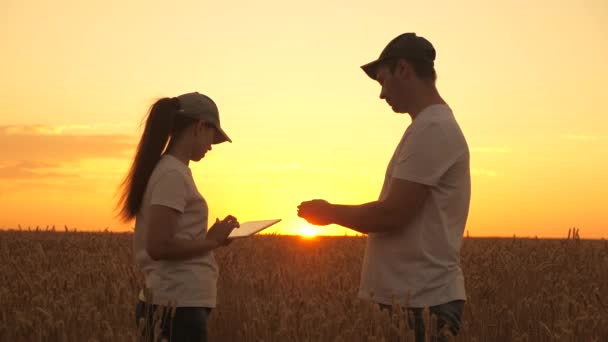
404 200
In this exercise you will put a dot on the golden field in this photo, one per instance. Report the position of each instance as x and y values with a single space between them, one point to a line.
76 286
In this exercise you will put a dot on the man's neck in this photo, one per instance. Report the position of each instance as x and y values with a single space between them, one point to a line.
425 98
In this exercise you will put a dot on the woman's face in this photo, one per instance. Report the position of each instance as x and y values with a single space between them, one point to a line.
203 137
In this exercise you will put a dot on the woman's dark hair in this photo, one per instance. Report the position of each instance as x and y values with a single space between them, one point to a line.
162 123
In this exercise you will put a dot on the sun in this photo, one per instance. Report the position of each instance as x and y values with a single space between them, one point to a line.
307 231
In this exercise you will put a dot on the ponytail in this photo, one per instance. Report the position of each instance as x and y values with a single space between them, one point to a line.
161 123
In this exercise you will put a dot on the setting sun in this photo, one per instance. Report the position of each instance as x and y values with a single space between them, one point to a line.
308 231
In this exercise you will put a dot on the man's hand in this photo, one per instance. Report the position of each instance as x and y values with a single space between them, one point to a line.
317 212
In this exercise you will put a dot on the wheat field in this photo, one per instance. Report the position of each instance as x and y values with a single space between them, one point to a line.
77 286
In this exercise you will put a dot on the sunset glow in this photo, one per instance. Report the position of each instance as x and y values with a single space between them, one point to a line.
306 122
308 231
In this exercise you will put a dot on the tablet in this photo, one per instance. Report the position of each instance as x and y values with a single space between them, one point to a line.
251 227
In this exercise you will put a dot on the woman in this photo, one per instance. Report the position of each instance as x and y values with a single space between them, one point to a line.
172 244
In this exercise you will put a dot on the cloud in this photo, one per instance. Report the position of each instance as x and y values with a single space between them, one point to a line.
32 170
71 129
491 149
585 137
43 156
54 144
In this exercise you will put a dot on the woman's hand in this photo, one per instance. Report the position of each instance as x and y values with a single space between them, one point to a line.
221 229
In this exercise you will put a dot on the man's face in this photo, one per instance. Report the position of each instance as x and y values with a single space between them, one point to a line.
393 87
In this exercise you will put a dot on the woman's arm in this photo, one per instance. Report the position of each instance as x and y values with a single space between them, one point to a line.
162 245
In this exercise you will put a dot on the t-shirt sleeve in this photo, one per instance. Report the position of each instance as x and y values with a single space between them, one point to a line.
169 191
427 154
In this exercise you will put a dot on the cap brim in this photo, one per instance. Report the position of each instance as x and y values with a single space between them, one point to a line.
221 136
371 69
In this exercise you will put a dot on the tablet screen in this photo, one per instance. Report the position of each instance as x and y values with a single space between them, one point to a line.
251 227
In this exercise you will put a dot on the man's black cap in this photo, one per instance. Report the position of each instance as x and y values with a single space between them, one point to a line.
408 46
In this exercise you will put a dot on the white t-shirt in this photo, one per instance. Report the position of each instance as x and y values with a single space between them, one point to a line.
422 258
190 282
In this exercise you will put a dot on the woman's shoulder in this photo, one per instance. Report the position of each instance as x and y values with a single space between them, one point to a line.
168 167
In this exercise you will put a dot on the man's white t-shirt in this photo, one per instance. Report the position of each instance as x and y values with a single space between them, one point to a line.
186 283
422 258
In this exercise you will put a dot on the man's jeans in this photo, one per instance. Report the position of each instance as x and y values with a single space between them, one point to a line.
189 324
448 315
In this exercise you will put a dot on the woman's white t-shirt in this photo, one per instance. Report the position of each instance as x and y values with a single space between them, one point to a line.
186 283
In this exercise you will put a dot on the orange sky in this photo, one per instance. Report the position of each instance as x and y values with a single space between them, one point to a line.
526 83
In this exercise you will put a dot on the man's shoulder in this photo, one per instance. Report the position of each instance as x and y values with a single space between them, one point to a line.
436 129
439 120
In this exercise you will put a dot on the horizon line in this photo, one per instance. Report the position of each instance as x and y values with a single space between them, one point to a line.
356 235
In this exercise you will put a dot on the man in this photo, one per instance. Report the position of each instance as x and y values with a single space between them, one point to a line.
415 228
